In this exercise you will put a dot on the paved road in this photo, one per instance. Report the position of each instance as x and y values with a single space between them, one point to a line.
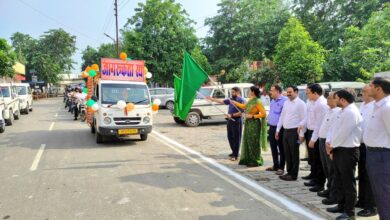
51 168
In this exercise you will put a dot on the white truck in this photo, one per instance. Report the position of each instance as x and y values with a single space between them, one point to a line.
12 105
25 97
2 107
112 120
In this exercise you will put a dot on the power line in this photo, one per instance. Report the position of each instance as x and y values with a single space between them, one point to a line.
57 21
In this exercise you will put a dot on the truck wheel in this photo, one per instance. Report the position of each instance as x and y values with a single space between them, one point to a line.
169 105
10 119
178 120
99 138
27 110
144 137
93 129
193 119
17 114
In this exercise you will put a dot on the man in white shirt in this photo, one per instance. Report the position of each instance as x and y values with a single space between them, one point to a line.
365 196
343 143
314 117
327 163
376 136
293 114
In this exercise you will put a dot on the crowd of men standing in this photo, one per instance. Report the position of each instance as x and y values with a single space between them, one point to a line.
339 137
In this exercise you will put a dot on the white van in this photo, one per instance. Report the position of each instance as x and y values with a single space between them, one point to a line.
335 86
11 100
202 109
2 108
25 97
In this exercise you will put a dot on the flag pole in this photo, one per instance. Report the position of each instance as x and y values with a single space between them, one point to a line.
200 94
220 89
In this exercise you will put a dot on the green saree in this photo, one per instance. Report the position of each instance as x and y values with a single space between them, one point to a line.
254 138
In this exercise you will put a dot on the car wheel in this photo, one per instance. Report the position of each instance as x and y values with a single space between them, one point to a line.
2 128
144 137
93 129
178 120
27 110
17 114
169 105
193 119
10 119
99 138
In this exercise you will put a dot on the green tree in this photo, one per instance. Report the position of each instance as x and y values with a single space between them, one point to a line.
201 59
298 58
244 30
7 59
90 55
159 33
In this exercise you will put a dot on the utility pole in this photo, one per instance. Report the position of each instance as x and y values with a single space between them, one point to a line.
116 21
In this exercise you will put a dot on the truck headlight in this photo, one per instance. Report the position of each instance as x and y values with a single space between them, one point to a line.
146 120
107 120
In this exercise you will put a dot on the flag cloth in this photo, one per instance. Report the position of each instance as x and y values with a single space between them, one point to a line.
193 76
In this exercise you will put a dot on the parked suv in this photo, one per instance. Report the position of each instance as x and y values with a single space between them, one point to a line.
2 107
25 97
12 105
166 95
202 109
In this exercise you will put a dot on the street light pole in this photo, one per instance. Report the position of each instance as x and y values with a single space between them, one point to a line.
116 21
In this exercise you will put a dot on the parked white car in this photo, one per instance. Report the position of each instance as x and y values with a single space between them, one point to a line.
2 107
166 95
202 109
12 105
25 97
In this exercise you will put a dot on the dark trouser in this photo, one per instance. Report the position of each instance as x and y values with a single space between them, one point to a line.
234 131
365 196
310 155
316 169
76 111
276 147
378 167
291 151
345 160
327 165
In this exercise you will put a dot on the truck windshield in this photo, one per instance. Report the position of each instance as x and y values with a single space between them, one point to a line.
5 91
22 90
112 93
204 92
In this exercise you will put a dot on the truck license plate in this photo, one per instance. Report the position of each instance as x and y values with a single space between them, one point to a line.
127 131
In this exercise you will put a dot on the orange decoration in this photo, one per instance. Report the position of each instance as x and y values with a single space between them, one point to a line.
88 69
84 74
130 107
155 107
123 56
95 67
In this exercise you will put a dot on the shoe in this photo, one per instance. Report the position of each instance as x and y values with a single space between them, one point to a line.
230 155
316 188
272 169
359 204
368 212
304 159
329 201
75 119
345 216
287 178
335 209
308 177
279 172
310 183
324 193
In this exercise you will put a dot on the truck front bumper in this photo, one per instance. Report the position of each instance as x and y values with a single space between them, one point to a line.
113 131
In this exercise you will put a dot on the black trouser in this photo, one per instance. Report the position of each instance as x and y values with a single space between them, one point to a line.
366 196
276 148
291 151
76 111
234 131
345 160
316 169
328 168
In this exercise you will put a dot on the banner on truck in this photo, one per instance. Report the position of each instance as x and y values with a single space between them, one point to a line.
122 70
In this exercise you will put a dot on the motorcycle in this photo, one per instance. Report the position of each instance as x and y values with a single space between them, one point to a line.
82 112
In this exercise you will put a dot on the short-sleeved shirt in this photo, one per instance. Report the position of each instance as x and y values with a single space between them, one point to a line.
232 108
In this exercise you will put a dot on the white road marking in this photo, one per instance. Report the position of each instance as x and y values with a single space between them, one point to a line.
289 204
56 115
35 163
51 126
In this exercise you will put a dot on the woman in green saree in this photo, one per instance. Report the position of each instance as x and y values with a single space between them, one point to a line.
255 126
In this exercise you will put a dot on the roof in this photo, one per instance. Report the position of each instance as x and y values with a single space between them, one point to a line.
21 84
159 88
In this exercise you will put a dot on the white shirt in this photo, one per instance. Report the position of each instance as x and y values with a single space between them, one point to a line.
328 121
315 116
365 111
377 129
293 114
346 130
265 100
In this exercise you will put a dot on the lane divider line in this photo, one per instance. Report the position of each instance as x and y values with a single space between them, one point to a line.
37 158
286 202
51 126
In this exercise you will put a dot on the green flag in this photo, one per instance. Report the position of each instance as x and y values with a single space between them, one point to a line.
193 76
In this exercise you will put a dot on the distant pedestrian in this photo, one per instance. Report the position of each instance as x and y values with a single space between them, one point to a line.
255 136
376 136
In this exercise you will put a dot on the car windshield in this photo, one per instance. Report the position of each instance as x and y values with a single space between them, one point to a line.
5 91
204 92
137 94
22 90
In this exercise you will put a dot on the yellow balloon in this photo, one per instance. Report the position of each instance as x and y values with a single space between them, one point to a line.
95 67
130 107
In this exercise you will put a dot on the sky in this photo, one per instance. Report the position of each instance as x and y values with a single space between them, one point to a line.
88 20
